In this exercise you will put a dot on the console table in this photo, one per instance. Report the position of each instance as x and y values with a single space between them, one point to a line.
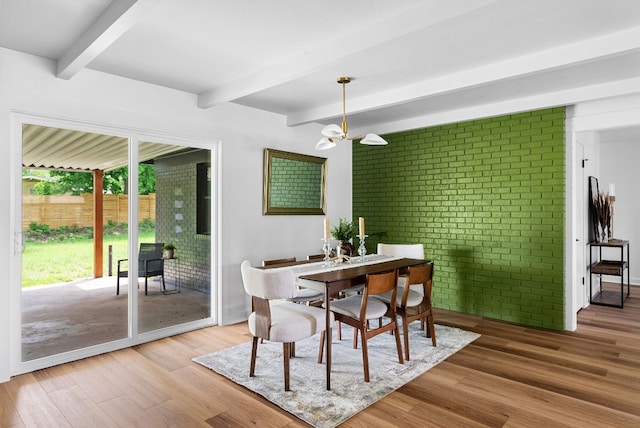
615 267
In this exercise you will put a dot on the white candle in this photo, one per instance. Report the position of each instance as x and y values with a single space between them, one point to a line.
327 232
612 189
361 224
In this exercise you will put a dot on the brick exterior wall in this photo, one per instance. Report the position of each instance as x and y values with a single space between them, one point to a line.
176 222
486 198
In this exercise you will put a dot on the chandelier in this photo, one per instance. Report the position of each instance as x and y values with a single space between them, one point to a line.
333 132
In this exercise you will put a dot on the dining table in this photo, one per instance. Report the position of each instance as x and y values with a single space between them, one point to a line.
332 278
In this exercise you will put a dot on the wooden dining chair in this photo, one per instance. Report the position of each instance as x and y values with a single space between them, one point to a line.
273 262
411 251
358 310
285 322
413 302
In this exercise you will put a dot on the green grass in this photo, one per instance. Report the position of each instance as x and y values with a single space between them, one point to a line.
53 262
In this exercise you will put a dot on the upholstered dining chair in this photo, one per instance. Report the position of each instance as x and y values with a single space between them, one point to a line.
303 295
411 251
284 321
414 305
359 309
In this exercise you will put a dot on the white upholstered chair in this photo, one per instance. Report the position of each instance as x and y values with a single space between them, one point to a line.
281 321
303 295
412 251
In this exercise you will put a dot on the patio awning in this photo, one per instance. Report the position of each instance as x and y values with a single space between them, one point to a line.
65 149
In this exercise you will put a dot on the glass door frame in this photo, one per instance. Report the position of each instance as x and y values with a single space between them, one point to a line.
17 366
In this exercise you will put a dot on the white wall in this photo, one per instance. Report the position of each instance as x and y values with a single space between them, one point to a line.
27 84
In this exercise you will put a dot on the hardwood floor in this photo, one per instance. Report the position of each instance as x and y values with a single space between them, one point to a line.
512 376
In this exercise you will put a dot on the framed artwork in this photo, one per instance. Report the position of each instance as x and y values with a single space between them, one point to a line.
294 184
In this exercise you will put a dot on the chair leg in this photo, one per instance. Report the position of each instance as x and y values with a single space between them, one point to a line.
365 356
432 329
405 331
286 350
321 347
398 346
118 285
339 330
293 349
355 338
254 352
145 285
163 287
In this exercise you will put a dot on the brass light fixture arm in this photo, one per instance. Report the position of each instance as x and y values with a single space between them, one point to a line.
345 127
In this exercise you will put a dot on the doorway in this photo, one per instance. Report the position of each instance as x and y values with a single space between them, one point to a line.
80 314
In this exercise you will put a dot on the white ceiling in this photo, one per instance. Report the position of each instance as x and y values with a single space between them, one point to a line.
407 58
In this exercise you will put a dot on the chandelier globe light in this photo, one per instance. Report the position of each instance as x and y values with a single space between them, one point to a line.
333 132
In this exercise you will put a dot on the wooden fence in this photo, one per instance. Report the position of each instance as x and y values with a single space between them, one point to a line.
65 210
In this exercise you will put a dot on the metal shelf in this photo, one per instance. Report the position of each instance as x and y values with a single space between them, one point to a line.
612 268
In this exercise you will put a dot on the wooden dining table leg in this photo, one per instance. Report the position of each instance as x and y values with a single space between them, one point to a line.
328 337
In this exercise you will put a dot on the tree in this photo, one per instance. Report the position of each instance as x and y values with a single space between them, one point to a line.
114 182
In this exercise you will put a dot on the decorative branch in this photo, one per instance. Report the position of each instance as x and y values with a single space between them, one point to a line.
602 209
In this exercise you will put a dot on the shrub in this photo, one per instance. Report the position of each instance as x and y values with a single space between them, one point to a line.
43 233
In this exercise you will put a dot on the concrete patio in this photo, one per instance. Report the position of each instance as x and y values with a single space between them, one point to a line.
63 317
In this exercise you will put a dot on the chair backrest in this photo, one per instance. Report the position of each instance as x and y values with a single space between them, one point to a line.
411 251
278 261
270 284
150 250
419 275
379 283
152 253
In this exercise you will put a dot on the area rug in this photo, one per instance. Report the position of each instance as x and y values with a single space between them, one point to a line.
308 399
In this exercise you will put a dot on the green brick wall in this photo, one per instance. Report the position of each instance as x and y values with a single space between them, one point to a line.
486 199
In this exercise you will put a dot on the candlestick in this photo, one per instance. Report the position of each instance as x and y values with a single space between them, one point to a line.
361 224
362 250
326 248
327 232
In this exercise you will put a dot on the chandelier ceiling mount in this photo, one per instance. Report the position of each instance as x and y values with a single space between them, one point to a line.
333 132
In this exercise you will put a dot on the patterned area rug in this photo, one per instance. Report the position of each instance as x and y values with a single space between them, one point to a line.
308 399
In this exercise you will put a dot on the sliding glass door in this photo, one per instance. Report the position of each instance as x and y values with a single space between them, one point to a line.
69 299
89 284
182 293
